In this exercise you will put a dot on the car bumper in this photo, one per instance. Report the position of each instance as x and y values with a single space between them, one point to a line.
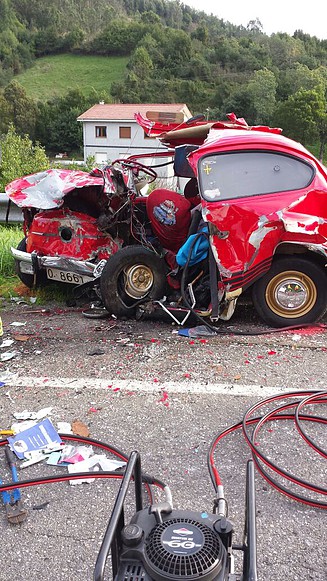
35 263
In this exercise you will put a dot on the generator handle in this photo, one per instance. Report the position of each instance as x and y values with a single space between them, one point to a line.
116 522
250 572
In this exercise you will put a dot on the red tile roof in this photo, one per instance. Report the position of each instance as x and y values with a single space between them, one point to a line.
113 112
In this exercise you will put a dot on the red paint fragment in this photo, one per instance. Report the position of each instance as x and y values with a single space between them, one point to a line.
191 342
164 399
311 330
272 352
260 357
92 410
116 389
188 375
203 340
156 380
247 362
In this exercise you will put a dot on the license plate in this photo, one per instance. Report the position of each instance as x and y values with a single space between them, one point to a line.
68 277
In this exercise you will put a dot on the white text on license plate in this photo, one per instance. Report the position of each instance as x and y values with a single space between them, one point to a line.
68 277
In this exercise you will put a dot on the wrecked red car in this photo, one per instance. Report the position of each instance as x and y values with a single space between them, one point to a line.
262 229
74 220
252 219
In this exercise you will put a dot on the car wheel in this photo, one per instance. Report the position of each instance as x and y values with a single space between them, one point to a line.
293 292
29 280
131 275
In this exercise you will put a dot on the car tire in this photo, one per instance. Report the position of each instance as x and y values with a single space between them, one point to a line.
132 275
292 292
28 280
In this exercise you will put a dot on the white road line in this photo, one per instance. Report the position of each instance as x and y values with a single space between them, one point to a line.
124 385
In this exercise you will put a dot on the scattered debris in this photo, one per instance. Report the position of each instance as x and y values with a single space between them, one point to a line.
38 437
80 429
94 463
96 352
25 415
6 343
64 427
8 355
41 506
22 337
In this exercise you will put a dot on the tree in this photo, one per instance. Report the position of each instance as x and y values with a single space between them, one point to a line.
254 26
241 103
262 91
285 51
19 157
301 115
22 110
141 64
57 127
322 130
299 77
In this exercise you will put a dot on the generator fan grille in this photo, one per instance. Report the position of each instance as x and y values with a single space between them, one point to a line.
191 566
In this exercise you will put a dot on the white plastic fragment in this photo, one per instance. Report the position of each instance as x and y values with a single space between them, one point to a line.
8 355
7 343
18 427
64 427
25 415
94 463
8 376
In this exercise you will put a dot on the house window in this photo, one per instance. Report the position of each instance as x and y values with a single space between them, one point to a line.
148 136
124 132
100 131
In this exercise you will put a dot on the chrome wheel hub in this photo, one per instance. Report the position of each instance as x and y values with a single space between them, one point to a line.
291 294
138 280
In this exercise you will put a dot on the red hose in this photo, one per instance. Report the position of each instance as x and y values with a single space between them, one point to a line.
300 399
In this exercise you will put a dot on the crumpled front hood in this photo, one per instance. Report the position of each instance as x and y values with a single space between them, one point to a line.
46 189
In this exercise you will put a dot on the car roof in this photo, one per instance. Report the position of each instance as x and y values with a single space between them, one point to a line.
220 140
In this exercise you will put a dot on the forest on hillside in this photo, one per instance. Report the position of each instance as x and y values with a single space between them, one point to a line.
176 54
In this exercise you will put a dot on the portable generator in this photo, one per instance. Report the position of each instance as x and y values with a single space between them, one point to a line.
161 543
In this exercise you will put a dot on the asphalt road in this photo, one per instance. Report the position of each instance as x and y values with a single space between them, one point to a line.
139 385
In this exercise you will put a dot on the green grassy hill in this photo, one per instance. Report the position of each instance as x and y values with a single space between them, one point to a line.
54 76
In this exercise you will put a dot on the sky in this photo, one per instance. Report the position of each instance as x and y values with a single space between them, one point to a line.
275 16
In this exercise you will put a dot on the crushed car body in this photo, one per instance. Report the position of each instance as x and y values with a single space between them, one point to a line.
254 202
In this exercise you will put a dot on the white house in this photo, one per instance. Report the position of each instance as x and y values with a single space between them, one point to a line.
111 132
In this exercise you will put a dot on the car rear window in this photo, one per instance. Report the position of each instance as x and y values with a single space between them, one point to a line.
250 173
